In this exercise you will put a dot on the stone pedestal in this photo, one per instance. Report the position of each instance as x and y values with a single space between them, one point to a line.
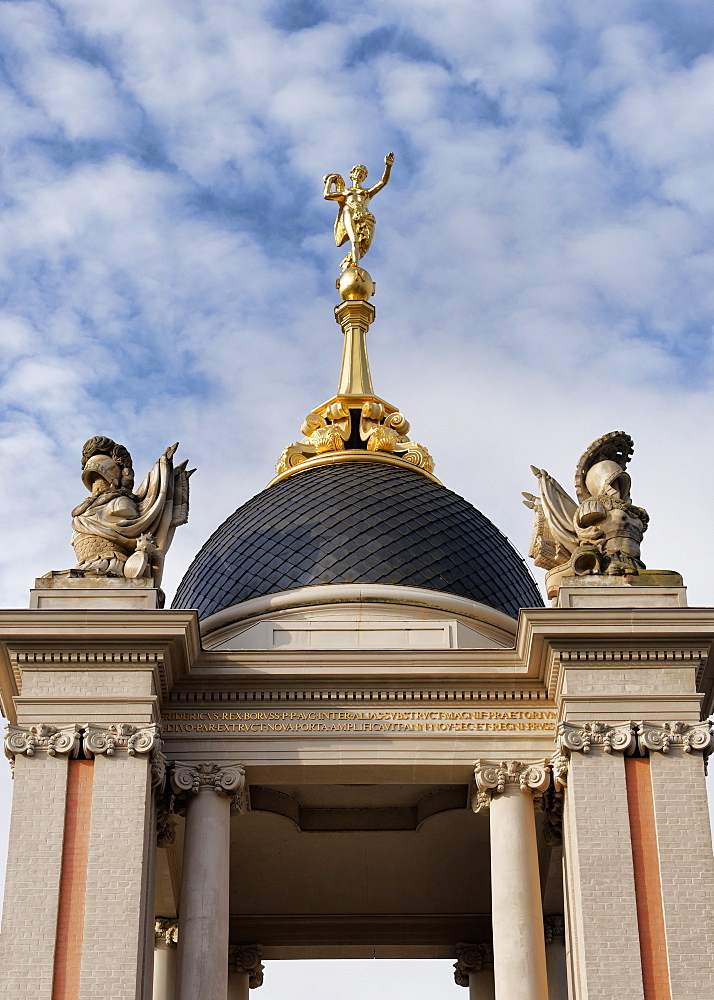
649 589
75 590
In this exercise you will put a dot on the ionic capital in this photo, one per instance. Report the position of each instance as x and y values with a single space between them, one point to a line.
554 927
471 958
682 736
42 739
120 738
166 931
246 958
224 780
494 779
606 736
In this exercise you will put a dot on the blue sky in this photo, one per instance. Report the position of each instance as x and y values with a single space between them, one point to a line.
543 255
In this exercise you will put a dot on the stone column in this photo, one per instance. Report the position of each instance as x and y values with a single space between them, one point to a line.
245 970
555 957
517 914
165 938
210 791
474 968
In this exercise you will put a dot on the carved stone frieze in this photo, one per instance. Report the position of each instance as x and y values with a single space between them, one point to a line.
494 778
246 958
42 738
166 931
554 927
120 738
665 736
607 736
224 780
471 958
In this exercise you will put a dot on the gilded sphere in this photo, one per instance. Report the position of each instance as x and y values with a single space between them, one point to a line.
355 283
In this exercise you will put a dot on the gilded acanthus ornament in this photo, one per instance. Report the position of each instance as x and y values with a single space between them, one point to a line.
120 533
381 428
354 220
601 534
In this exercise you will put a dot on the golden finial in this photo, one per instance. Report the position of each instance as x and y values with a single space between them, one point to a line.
355 425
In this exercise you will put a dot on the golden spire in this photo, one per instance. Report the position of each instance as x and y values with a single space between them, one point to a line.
355 425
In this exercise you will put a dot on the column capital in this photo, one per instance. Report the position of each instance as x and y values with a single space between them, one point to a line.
226 779
166 931
42 739
554 926
471 958
120 739
495 778
682 736
583 737
246 958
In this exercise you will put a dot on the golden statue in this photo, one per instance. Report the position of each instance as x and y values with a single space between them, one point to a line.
354 220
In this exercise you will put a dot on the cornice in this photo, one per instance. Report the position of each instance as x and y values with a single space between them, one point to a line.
165 642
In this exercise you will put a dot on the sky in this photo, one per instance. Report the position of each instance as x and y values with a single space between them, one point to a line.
543 252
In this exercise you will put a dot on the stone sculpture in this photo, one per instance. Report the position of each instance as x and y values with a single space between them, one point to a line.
599 535
119 533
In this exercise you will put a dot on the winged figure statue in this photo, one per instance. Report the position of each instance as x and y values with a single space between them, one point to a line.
601 532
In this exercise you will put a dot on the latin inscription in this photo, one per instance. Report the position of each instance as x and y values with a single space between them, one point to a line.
285 721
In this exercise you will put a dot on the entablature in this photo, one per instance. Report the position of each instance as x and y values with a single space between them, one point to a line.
551 643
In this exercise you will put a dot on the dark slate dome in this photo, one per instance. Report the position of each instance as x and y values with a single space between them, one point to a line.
357 522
